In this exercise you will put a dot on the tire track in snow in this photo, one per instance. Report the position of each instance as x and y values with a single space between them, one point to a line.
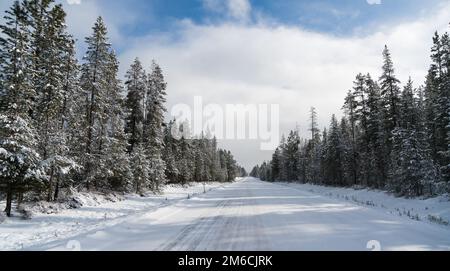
189 235
234 225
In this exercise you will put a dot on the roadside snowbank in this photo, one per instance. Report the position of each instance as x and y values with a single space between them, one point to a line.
50 222
433 210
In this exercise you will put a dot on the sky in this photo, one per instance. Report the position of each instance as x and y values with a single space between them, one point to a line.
294 53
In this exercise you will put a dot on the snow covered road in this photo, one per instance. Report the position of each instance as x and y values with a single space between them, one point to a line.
255 215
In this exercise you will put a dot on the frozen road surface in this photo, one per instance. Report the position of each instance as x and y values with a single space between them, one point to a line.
255 215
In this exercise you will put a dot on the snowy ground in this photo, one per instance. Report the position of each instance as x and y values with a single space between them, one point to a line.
245 215
97 212
433 210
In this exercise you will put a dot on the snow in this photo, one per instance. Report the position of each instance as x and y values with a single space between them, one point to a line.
3 152
431 210
52 222
245 215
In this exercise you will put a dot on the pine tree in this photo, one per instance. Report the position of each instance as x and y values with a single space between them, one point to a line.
19 160
443 116
94 84
408 110
275 163
254 171
153 125
361 144
51 44
169 153
290 154
334 159
376 136
320 156
114 149
71 129
185 154
185 162
215 166
42 45
432 87
283 160
136 82
349 154
390 91
351 108
390 100
313 124
231 166
140 168
218 172
411 169
312 168
198 166
15 61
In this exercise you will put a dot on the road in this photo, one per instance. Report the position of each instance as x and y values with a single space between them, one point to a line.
255 215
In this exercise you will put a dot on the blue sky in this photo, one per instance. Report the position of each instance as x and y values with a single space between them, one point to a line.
335 17
294 53
340 17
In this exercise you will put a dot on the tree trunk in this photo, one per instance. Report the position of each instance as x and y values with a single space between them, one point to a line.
88 182
19 199
9 195
50 186
56 195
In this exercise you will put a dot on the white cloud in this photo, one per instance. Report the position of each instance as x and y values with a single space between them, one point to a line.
213 5
74 2
374 2
235 63
239 9
235 9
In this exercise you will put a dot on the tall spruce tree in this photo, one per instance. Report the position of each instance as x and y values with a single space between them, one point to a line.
51 45
390 91
153 125
169 153
334 155
275 163
140 169
94 82
136 83
291 155
16 74
376 136
351 109
19 160
114 149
